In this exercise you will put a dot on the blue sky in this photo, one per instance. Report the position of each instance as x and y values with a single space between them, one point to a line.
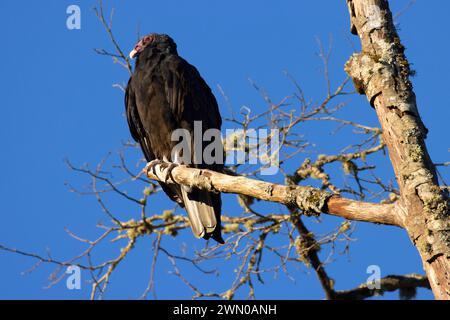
58 102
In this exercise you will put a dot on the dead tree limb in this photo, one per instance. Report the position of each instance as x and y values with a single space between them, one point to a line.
312 254
310 200
381 72
407 285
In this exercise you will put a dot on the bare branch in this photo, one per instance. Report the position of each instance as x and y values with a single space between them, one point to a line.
309 200
118 57
407 285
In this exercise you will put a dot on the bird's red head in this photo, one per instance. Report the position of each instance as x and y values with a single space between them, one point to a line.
140 46
160 41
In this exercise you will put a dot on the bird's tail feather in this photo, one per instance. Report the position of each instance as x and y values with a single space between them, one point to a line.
201 213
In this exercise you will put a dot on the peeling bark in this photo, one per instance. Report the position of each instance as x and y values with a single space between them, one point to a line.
381 72
310 200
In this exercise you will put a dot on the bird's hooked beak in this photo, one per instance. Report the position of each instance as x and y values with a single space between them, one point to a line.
133 53
140 46
136 50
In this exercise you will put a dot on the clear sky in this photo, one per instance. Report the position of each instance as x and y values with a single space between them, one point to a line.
58 101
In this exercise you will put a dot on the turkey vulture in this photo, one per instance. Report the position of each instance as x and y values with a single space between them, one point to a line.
163 94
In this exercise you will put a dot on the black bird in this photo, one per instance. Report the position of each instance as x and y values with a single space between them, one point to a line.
166 93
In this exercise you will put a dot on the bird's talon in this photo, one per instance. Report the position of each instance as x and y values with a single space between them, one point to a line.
152 166
170 168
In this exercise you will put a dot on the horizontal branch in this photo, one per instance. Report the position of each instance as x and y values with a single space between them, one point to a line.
310 200
407 285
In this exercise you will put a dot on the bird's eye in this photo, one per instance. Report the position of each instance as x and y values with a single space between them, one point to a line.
146 40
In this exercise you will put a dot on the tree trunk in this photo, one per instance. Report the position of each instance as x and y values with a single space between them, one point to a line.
381 72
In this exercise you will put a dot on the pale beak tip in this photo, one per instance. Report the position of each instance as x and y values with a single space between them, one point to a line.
132 54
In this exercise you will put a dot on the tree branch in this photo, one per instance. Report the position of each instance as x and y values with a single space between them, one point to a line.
381 72
310 200
407 285
311 253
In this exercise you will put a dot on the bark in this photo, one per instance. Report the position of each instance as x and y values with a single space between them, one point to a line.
310 200
407 285
381 72
312 254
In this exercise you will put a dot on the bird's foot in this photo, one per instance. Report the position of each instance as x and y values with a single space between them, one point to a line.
169 167
163 167
152 166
